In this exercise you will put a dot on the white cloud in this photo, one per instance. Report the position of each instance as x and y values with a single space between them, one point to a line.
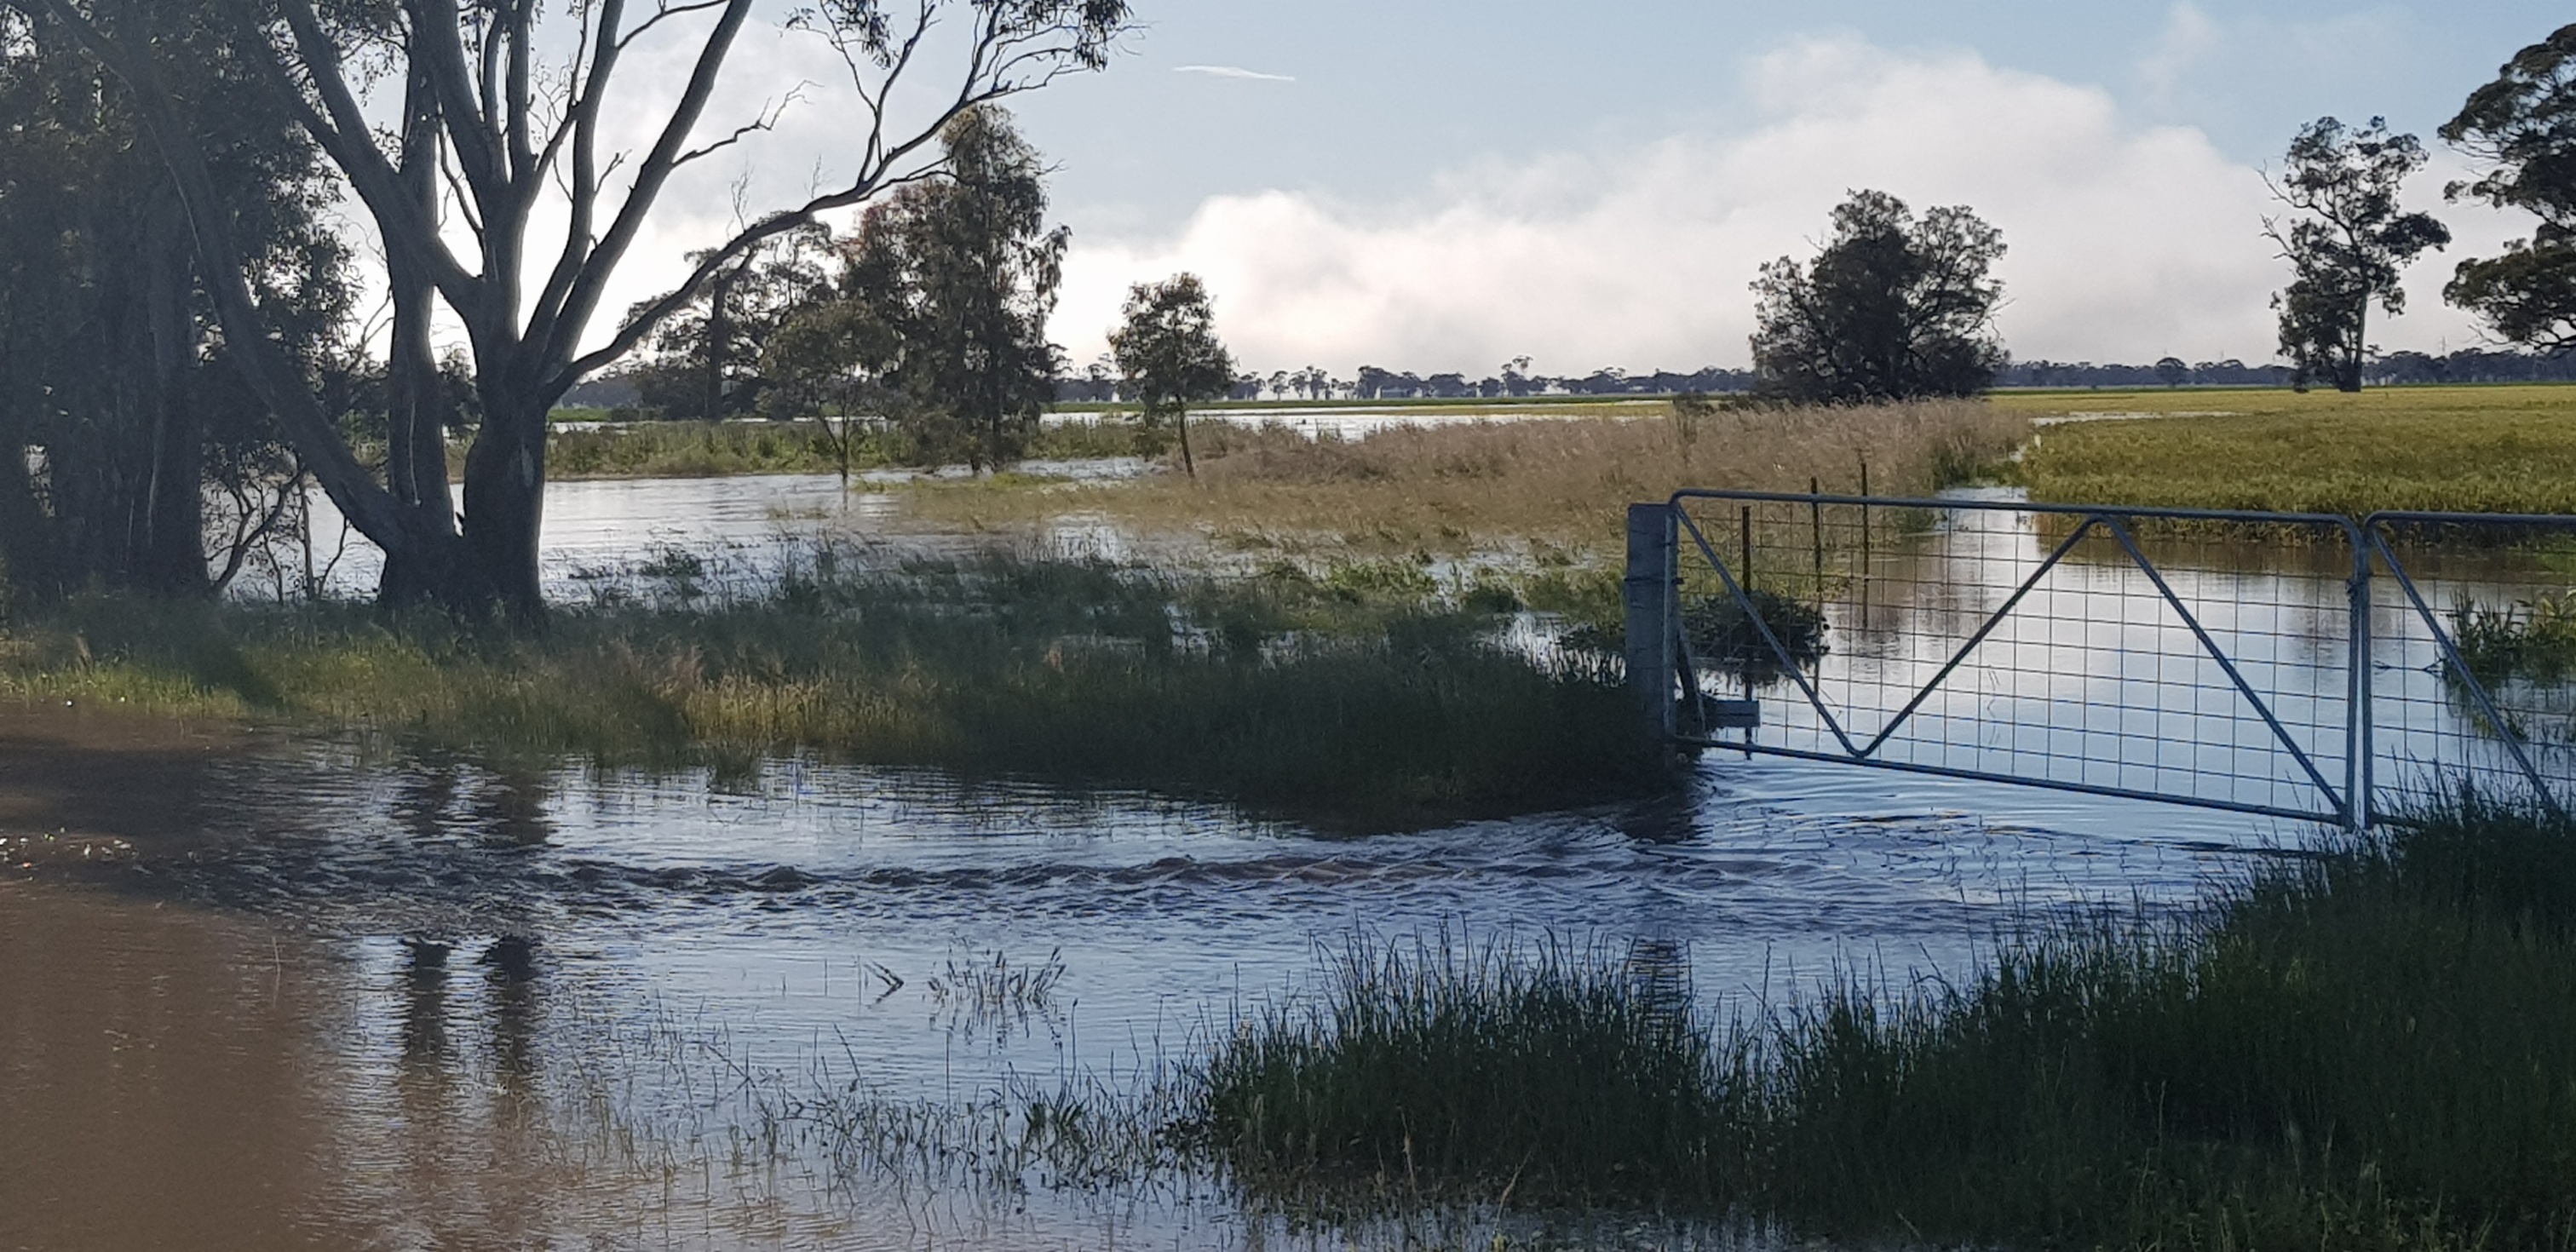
2189 36
2128 241
1233 71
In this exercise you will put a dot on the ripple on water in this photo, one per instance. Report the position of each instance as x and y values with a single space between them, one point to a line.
645 940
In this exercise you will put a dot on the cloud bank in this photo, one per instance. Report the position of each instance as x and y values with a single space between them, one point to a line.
2127 241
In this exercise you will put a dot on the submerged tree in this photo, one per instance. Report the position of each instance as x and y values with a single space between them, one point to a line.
1892 308
964 270
2347 251
506 105
2524 125
1167 347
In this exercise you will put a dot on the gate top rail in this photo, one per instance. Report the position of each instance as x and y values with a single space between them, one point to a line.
2543 521
2336 520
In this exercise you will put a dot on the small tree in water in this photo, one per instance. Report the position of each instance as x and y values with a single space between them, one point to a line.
1891 309
2347 250
1167 347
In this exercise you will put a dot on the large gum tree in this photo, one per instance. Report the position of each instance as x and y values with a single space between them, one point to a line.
471 133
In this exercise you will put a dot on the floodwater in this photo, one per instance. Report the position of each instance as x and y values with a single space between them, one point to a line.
260 993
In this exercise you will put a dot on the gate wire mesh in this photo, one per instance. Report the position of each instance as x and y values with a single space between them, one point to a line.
2184 655
2472 641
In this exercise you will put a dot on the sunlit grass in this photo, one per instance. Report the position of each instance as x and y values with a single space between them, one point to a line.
2508 449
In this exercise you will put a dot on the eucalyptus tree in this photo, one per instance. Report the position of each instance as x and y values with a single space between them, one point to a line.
964 268
108 365
499 192
2347 249
1166 345
2523 124
1891 308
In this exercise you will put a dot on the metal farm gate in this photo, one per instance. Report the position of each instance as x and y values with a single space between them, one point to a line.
2301 666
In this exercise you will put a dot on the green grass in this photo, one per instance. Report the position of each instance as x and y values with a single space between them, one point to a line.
1344 700
2465 449
696 450
1441 1071
2369 1046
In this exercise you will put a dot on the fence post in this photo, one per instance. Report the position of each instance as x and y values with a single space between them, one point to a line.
2360 806
1649 592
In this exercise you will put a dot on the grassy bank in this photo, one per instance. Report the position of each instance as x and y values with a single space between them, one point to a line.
2474 449
1356 699
2370 1047
656 449
1468 487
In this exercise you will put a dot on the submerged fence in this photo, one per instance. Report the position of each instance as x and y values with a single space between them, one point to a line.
2300 666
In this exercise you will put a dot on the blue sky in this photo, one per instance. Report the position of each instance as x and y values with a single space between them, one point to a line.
1370 198
1387 94
1445 186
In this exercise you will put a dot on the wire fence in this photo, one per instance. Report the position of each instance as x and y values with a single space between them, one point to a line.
2292 665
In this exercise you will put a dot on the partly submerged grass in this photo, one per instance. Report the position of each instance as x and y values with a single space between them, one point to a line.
2370 1047
1558 483
1441 1071
1337 701
2460 449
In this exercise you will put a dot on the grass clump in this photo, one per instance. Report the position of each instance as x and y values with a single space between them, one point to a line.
1359 705
1443 1070
2369 1046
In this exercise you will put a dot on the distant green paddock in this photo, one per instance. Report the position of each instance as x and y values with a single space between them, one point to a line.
2502 449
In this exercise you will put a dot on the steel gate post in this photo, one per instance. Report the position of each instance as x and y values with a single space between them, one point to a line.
1651 597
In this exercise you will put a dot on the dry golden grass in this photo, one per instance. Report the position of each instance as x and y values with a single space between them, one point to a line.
1477 486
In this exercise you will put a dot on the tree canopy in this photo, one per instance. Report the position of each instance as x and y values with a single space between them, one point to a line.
110 363
2347 248
2523 124
492 188
1891 308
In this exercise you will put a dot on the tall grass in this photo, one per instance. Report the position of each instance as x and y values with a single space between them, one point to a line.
1470 487
1445 1070
1335 703
2371 1046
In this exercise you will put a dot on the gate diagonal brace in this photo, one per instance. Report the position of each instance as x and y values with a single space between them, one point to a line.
2129 544
1987 628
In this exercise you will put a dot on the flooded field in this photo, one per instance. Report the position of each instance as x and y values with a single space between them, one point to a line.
268 992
